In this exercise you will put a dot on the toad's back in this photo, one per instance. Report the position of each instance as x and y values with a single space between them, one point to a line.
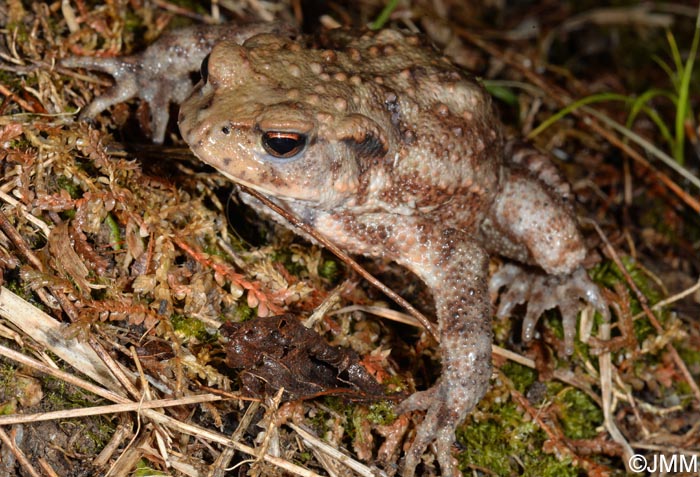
397 127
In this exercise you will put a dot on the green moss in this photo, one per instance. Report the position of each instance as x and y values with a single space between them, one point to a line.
521 376
608 274
353 424
212 249
8 407
506 444
329 270
102 433
579 415
304 457
285 257
244 312
17 287
134 24
381 413
94 433
64 183
8 385
501 438
10 79
691 357
335 404
395 384
19 32
145 470
190 328
319 421
115 236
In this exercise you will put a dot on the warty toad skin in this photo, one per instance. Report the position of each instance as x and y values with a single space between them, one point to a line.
388 150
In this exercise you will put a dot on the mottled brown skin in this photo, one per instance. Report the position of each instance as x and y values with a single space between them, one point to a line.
389 150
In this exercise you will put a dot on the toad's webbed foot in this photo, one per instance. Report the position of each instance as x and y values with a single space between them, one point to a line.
446 408
542 292
134 80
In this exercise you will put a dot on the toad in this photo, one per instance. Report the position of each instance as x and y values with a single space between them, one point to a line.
387 149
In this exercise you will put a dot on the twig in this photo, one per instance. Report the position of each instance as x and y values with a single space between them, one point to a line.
122 432
669 449
272 427
19 242
114 367
46 467
219 467
19 455
5 91
307 229
323 309
672 299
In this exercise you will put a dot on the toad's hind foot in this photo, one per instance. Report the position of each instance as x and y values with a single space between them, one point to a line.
443 415
542 292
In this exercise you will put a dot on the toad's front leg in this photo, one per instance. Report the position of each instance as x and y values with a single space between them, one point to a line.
456 271
160 75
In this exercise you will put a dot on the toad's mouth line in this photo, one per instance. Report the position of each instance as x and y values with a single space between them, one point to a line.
274 196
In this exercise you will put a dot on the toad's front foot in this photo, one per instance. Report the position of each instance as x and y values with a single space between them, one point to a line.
542 292
160 75
446 406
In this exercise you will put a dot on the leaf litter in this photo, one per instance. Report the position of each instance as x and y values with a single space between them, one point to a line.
120 262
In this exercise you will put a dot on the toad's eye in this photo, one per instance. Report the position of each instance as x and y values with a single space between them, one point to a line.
204 69
283 144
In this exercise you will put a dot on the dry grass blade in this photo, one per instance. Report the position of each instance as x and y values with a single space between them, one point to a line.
49 333
62 375
317 443
672 299
109 409
563 98
648 146
384 312
606 387
650 315
206 434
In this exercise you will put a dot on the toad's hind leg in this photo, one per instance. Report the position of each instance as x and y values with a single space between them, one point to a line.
456 273
531 222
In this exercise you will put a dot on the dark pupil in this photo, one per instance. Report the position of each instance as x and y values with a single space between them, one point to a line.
283 144
204 69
